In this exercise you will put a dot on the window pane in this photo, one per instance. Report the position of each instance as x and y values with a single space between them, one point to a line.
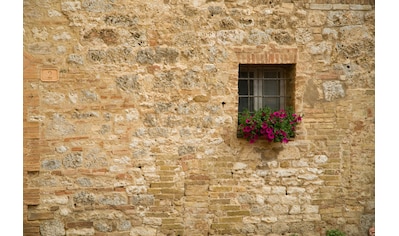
245 103
243 87
271 87
243 74
271 74
273 103
251 87
251 104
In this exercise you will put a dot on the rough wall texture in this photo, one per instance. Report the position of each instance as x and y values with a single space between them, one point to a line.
127 133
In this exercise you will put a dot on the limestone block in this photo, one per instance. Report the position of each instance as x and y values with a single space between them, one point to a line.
102 226
70 6
97 5
84 197
316 18
51 164
52 228
73 160
143 231
112 199
333 90
75 59
59 200
84 231
123 225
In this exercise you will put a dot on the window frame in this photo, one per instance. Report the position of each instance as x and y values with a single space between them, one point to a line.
258 98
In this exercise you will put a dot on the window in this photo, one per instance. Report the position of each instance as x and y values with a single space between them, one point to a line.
265 85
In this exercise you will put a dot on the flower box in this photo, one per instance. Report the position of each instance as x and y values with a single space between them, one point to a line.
268 124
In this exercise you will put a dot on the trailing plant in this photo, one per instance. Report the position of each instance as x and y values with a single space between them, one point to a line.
272 125
334 232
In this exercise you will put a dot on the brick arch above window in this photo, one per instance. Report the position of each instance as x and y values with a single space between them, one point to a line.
263 55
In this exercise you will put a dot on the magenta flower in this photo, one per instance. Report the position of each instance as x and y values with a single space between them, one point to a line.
247 129
263 131
285 140
270 136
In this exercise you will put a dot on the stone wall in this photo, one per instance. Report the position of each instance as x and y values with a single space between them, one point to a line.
130 118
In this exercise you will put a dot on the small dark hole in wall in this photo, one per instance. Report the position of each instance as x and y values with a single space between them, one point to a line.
32 173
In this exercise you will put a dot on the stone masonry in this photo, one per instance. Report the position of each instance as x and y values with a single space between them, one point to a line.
130 118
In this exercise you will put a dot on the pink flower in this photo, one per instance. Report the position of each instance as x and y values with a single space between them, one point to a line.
285 140
262 131
270 136
247 129
254 138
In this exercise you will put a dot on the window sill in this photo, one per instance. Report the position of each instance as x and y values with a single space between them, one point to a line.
240 136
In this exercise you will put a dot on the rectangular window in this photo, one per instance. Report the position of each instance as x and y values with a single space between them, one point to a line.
265 85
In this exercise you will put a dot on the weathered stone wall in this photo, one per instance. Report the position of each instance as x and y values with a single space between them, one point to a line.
132 137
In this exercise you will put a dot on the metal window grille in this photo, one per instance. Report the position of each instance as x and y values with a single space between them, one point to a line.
260 86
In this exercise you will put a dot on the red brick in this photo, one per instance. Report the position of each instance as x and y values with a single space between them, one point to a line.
31 196
40 215
79 224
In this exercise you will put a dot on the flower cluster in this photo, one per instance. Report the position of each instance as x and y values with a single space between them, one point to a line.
274 126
